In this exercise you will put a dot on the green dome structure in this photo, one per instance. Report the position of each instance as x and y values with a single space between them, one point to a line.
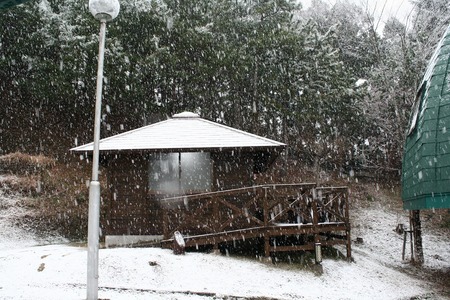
8 3
426 159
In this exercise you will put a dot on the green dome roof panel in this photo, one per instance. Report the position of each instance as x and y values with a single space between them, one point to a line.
8 3
426 159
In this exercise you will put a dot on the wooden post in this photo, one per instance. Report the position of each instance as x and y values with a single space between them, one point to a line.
216 223
165 224
266 223
216 217
347 226
315 221
417 234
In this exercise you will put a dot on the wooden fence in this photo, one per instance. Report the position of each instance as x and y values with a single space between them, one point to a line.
319 215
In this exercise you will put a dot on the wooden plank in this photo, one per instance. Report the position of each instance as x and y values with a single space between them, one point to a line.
304 229
238 191
271 231
211 239
292 248
333 242
309 246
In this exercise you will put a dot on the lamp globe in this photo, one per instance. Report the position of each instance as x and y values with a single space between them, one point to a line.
105 10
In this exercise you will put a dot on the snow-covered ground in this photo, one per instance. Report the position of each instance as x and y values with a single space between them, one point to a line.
30 270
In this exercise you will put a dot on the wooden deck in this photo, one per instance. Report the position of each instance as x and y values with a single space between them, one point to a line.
305 213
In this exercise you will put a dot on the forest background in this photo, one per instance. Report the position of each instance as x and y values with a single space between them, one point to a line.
325 79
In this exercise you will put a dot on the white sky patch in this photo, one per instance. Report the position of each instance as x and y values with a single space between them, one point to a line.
384 9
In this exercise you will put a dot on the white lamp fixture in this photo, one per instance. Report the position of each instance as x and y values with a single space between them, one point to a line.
102 10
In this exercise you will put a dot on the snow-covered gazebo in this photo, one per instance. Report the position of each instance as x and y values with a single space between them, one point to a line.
179 156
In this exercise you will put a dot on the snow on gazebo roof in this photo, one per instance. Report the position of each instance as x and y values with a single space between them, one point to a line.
184 131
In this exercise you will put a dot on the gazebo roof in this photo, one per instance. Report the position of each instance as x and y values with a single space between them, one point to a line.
186 132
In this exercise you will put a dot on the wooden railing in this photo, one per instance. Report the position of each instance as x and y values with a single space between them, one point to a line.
266 211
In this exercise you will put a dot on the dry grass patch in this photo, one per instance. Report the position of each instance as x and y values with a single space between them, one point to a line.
56 192
23 164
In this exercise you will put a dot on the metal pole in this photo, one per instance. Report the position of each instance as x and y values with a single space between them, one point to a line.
318 252
94 186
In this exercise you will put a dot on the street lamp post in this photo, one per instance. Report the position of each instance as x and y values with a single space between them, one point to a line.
102 10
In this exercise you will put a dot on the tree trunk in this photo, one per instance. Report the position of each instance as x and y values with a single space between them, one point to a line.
417 235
